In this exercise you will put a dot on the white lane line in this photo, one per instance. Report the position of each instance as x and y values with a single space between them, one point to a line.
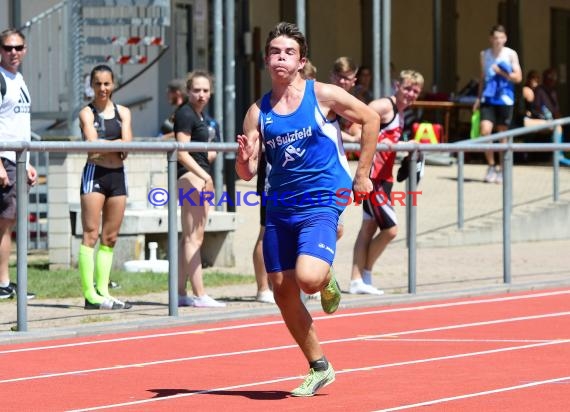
280 322
475 394
450 340
352 370
275 348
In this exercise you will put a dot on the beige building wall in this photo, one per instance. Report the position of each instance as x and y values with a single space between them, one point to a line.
473 36
535 23
334 31
412 37
331 33
264 14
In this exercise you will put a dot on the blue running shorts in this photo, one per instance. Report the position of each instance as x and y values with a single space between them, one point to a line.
289 235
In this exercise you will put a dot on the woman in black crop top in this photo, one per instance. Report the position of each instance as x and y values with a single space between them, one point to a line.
530 85
103 190
196 189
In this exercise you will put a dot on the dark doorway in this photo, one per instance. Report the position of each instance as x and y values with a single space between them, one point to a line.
183 56
560 54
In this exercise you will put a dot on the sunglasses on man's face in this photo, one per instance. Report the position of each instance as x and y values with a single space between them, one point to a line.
8 49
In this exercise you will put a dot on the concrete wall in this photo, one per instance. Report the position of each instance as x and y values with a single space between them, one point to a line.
144 172
64 176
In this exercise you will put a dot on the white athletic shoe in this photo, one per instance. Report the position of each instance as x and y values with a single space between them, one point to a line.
499 177
265 296
207 302
491 175
358 287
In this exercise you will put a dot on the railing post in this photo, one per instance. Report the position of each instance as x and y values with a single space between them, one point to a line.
230 101
218 25
75 65
172 235
411 224
22 240
556 166
507 208
460 188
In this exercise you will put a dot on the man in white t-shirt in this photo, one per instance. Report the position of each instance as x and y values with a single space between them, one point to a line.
15 126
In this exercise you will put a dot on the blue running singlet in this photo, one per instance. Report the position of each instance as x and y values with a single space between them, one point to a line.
308 166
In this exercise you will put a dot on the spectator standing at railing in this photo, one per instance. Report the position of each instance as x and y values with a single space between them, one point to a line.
194 181
297 122
378 214
343 74
177 96
500 71
362 89
264 292
103 190
15 125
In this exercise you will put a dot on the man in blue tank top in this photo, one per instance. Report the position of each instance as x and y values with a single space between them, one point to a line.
500 71
309 184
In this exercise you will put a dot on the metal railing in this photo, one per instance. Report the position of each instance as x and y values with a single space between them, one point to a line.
171 149
508 177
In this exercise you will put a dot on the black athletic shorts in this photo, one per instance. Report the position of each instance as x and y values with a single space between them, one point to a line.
98 179
379 206
8 193
498 115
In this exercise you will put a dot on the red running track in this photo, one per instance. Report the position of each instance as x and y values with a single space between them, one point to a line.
502 352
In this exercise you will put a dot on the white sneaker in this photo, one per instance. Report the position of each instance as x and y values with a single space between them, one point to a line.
265 296
499 177
491 175
207 302
358 287
185 301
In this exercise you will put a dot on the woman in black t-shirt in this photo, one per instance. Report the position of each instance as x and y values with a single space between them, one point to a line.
196 189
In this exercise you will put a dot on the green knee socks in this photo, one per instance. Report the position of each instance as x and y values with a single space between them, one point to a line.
103 270
86 271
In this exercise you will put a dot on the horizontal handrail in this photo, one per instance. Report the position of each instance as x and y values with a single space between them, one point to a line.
517 132
137 101
483 144
42 146
171 147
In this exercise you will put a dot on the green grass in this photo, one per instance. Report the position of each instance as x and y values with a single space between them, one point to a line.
51 284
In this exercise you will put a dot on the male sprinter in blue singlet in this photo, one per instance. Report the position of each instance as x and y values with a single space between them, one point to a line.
308 184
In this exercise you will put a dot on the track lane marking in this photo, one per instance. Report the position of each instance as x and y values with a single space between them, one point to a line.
280 322
475 394
451 340
343 371
276 348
